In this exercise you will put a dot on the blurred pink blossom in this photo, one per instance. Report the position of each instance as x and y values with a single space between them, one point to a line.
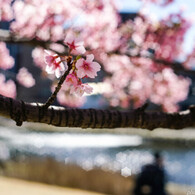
67 99
37 55
80 89
6 13
8 88
25 78
71 80
6 61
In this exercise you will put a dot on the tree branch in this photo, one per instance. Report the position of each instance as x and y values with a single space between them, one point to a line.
8 37
176 66
92 118
59 85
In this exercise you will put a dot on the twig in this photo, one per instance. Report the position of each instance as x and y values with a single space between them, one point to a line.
59 85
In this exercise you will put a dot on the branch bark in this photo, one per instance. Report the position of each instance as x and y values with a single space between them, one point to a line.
92 118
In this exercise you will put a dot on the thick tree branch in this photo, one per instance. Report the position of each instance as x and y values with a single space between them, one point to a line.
92 118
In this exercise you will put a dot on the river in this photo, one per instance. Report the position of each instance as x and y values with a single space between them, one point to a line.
116 152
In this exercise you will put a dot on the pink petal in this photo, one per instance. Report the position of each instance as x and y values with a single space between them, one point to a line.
80 49
79 41
88 89
57 73
80 73
91 73
79 62
90 58
96 66
62 67
47 52
69 38
65 66
49 69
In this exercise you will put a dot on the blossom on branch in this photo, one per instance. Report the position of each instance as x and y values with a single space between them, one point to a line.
75 44
71 80
87 67
79 68
54 64
80 89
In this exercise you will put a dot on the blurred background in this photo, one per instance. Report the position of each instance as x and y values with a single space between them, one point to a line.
105 161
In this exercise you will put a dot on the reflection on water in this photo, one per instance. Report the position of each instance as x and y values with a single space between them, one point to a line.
124 153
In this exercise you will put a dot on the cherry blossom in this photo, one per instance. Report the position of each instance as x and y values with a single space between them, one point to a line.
37 55
129 52
75 44
6 61
81 89
70 100
54 64
66 98
25 78
71 80
6 13
8 88
87 67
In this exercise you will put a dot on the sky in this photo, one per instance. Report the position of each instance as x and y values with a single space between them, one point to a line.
159 12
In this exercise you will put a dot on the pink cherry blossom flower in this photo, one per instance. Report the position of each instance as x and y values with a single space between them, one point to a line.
54 64
25 78
8 88
71 80
79 90
67 99
75 44
6 61
87 67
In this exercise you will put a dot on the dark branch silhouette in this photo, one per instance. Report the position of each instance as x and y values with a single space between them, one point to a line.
93 118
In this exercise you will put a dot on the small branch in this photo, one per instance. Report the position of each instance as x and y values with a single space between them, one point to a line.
178 67
58 87
8 37
94 118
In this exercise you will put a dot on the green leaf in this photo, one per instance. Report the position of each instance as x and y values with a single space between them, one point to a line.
78 57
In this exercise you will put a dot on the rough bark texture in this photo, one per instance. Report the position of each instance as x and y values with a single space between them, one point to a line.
92 118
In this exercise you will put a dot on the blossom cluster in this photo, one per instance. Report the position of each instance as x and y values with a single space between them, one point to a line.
80 68
130 52
6 61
